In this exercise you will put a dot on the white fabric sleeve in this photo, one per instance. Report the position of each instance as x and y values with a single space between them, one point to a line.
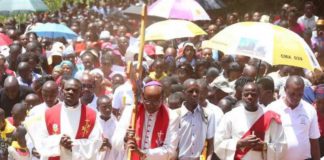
314 132
211 125
85 149
224 144
117 98
46 145
171 140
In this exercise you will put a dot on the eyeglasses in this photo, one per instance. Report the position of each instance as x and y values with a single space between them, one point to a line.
152 101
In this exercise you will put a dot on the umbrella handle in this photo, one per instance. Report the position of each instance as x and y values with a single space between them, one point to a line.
257 75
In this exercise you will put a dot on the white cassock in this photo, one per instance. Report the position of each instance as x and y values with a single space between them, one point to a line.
108 128
93 103
82 149
235 124
38 109
164 152
35 113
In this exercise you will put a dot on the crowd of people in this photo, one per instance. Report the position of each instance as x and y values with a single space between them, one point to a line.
75 99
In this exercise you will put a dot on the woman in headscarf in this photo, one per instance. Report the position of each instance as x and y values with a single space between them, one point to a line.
100 83
187 54
67 67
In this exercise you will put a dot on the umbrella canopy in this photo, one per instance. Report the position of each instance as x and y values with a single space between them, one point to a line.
211 4
178 9
171 29
5 40
271 43
8 7
133 10
54 30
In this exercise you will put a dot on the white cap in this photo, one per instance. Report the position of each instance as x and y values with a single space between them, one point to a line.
104 35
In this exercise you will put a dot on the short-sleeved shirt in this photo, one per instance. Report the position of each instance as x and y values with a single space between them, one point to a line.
123 96
195 128
300 124
308 23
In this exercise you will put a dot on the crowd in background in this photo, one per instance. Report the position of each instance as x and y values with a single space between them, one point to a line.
33 69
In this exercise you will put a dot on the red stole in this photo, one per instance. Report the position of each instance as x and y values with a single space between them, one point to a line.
159 131
259 128
53 122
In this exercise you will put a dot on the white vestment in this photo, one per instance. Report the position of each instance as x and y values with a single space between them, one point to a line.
82 149
36 111
108 128
235 124
166 151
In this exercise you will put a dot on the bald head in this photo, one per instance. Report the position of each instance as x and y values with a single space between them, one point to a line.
18 107
50 92
22 66
50 86
295 80
294 89
249 71
152 97
87 77
10 81
32 100
170 52
11 87
19 113
153 90
189 82
32 46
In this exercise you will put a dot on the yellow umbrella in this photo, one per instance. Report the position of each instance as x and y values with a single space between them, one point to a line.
171 29
270 43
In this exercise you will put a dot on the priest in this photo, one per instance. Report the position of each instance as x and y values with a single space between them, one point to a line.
249 131
156 133
68 130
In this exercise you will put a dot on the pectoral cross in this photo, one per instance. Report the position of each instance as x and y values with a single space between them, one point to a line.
86 127
159 140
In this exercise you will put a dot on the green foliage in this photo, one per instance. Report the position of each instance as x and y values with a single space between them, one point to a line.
53 5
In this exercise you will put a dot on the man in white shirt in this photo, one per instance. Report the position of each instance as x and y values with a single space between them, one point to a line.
123 96
203 102
26 75
88 97
249 131
155 136
197 125
69 130
308 20
299 120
